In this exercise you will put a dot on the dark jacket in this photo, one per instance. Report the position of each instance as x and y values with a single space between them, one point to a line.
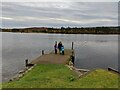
59 46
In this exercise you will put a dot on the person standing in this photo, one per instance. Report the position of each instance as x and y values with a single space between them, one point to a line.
62 50
55 47
59 46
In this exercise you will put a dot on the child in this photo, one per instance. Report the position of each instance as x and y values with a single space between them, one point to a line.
62 50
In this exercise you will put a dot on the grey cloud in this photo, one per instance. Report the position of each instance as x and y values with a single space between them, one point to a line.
59 14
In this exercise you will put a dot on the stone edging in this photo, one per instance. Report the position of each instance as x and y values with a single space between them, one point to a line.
21 73
80 72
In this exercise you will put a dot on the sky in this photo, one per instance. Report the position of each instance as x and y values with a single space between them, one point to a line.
58 14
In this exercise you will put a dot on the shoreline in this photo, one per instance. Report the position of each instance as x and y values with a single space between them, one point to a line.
65 33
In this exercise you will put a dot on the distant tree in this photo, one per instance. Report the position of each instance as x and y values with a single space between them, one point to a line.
62 28
15 30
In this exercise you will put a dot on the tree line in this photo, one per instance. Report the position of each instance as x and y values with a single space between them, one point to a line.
68 30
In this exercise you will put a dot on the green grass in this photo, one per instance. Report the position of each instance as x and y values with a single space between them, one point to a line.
99 79
59 76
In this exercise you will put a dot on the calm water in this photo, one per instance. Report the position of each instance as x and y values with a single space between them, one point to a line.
92 51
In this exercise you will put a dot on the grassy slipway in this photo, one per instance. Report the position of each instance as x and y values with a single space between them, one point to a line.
60 76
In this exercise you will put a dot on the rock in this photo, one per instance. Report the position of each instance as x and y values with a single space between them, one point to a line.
20 75
22 71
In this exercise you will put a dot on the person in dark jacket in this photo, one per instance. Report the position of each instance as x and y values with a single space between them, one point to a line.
59 46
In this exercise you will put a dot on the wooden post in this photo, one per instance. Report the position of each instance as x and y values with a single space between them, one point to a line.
26 62
73 58
42 52
72 45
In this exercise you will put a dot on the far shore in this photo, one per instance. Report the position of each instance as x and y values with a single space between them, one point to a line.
71 33
68 30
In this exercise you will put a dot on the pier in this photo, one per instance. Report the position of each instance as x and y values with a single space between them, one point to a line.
53 58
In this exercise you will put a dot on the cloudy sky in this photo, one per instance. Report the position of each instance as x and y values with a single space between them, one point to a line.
57 14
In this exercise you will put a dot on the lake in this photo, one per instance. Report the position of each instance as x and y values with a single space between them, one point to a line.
91 51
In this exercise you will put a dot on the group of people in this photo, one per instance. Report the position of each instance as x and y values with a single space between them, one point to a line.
59 47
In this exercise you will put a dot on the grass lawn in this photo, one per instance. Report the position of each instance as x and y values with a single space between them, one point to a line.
59 76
